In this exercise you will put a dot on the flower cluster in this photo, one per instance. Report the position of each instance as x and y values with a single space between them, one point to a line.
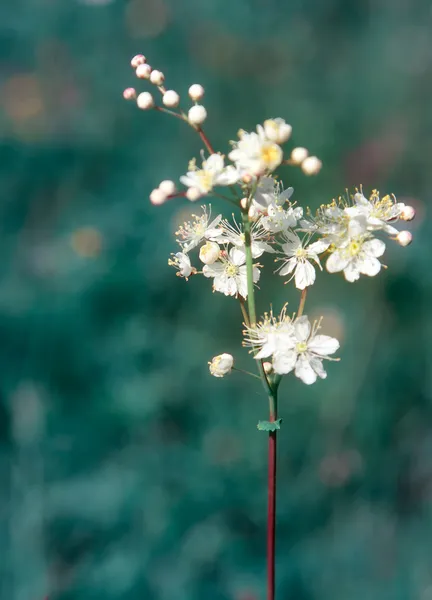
341 235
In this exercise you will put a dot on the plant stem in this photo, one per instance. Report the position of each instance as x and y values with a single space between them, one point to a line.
302 303
271 494
205 140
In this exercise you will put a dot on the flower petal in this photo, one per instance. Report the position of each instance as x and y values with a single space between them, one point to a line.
304 371
374 248
351 272
304 275
237 256
316 364
302 328
284 362
336 262
323 345
288 267
369 266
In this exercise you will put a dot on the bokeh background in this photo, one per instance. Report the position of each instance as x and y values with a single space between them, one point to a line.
126 471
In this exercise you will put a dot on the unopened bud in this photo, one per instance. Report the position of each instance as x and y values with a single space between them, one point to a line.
145 101
209 253
247 178
298 155
129 93
243 203
196 92
137 60
143 71
193 194
408 213
171 99
276 130
197 114
157 77
221 365
311 165
168 187
158 197
268 368
404 238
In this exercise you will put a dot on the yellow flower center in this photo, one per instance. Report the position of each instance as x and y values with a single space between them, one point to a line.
354 248
301 347
205 179
301 253
231 270
271 155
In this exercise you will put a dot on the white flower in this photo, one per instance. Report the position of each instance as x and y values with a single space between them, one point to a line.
276 130
235 235
377 212
298 259
254 154
270 335
307 352
278 219
181 261
229 274
221 365
209 253
355 256
271 193
212 173
192 233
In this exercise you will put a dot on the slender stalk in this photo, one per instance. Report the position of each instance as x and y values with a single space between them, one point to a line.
244 311
246 373
271 495
205 140
302 303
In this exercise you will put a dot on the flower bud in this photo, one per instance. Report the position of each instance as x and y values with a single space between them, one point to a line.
404 238
298 155
137 60
408 213
168 187
247 178
311 165
276 130
209 253
193 194
171 99
197 114
158 197
221 365
268 368
145 101
143 71
196 92
129 93
243 202
157 77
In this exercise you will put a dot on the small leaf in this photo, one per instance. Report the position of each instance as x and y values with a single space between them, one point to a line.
269 425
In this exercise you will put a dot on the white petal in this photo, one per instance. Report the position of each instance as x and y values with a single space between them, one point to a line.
374 248
304 371
237 256
214 270
256 274
302 328
323 345
284 362
369 266
288 267
357 226
228 176
336 262
242 285
285 195
319 246
316 364
214 163
351 272
304 275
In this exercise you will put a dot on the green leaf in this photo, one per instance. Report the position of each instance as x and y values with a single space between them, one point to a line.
269 425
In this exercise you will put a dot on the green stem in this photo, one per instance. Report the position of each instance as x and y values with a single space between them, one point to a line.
271 499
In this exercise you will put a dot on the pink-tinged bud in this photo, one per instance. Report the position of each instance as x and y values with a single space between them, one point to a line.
311 165
143 71
137 60
145 101
404 238
298 155
197 114
129 93
168 187
171 99
157 77
247 178
196 92
158 197
408 213
193 194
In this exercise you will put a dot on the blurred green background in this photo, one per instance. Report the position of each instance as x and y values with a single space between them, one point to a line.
126 471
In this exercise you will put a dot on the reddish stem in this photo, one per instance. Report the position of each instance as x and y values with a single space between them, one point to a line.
205 140
271 515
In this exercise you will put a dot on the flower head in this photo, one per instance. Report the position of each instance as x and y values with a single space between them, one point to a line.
377 212
233 234
181 261
254 154
277 130
192 233
212 173
297 259
221 365
356 256
230 275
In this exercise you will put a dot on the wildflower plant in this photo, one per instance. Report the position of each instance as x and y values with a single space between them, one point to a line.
343 236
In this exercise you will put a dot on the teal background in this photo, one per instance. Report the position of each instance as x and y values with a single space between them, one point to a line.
126 471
